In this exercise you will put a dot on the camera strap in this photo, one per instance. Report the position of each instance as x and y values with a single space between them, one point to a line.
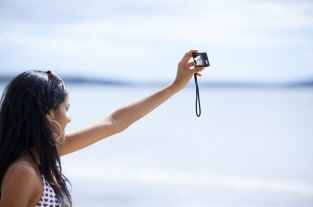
197 97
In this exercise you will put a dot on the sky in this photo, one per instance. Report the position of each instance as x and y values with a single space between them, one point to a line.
142 40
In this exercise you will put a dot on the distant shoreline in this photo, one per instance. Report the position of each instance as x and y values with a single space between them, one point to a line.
220 84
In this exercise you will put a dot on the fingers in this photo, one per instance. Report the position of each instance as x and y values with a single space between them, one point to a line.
188 55
191 51
185 62
197 70
191 64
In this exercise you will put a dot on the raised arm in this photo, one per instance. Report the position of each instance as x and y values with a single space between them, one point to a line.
122 118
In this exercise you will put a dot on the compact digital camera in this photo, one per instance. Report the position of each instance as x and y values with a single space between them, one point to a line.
200 59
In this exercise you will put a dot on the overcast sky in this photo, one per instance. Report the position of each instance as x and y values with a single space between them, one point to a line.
144 39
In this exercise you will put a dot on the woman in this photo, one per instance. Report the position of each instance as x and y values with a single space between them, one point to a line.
33 116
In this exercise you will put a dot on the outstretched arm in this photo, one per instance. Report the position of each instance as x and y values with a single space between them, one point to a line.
122 118
129 114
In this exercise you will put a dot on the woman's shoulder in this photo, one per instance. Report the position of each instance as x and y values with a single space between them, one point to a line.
21 181
21 172
22 169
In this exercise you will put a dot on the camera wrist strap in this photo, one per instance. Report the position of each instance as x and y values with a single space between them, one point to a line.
197 97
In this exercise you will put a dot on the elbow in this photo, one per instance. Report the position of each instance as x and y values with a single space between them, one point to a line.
118 125
119 129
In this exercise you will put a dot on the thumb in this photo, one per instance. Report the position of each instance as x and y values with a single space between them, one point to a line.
197 69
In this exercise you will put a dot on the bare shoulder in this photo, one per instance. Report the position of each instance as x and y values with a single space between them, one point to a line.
21 173
21 169
20 184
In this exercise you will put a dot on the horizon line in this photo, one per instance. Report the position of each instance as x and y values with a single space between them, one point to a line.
232 83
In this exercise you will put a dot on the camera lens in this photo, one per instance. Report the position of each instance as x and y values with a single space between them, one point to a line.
198 61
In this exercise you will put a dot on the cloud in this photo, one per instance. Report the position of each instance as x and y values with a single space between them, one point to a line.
93 34
222 22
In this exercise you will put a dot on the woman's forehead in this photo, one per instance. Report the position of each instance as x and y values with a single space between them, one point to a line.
66 100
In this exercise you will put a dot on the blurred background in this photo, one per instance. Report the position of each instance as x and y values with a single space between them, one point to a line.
252 145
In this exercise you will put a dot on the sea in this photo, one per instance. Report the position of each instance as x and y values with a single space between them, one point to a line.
251 147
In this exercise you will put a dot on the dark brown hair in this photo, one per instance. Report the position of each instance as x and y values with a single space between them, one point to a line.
23 124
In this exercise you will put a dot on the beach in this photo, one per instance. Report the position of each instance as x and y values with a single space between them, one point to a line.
250 147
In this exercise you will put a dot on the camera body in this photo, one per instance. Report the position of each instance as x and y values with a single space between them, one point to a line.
200 59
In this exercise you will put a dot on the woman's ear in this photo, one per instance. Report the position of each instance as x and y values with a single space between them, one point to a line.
50 115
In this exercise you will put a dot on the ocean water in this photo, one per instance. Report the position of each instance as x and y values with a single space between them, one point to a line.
249 148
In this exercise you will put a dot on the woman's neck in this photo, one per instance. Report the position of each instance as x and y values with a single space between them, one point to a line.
34 153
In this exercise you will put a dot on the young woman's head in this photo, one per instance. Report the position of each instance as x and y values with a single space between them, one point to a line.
34 113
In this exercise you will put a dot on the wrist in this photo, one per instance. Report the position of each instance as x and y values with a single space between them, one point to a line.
176 87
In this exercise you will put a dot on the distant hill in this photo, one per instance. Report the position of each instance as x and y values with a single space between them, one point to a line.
79 80
228 84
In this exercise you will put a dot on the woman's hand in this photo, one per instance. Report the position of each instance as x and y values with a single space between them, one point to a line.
184 73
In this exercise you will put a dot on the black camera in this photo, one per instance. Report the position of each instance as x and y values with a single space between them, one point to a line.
200 59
